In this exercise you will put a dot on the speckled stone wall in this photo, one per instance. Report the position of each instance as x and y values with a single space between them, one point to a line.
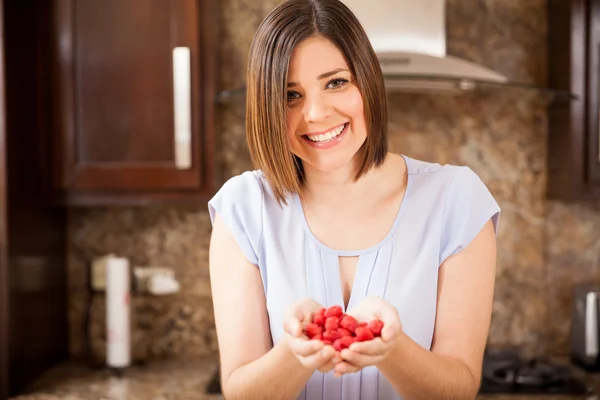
544 247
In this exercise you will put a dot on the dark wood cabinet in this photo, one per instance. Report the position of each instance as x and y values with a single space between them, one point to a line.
33 284
133 88
574 127
593 109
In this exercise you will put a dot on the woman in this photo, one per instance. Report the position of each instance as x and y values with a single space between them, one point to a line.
329 217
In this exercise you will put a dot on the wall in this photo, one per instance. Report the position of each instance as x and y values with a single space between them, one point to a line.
543 246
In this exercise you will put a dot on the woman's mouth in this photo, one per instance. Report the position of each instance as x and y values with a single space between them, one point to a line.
327 139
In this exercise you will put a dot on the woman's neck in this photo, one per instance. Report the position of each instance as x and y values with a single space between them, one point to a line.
332 187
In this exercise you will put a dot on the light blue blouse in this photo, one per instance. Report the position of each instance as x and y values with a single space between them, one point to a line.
444 208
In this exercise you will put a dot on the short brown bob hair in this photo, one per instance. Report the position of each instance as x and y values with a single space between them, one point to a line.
280 32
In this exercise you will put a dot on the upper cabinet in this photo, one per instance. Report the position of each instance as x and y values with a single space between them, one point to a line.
574 127
133 101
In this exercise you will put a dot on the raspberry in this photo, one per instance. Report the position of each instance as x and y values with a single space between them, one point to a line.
317 337
334 311
319 317
375 326
348 322
363 334
343 343
313 329
344 332
331 335
332 323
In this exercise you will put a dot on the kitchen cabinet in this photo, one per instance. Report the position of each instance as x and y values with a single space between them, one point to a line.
133 102
33 284
574 127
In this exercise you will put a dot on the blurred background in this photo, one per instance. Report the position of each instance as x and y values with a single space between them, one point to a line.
121 118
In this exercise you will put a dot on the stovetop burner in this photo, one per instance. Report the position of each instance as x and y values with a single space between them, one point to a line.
507 373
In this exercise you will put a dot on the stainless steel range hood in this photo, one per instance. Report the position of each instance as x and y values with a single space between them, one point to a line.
409 37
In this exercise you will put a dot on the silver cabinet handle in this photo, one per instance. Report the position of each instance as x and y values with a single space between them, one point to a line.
182 107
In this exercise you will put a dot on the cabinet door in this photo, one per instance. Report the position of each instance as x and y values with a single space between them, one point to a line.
129 94
593 131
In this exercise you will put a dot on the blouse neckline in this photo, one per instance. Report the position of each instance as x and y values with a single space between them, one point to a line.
358 252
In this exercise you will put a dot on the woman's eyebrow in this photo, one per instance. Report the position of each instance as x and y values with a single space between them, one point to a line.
322 76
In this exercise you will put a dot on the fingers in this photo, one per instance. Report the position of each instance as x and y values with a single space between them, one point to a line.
318 359
359 360
373 347
390 331
327 367
298 314
345 368
293 326
303 348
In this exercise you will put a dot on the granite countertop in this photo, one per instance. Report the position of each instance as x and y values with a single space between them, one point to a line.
181 380
160 380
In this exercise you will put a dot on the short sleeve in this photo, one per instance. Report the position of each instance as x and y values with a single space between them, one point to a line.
469 206
239 205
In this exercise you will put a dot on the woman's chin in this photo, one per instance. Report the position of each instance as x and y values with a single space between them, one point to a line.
331 165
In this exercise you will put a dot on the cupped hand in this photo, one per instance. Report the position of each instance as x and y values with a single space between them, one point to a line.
362 354
312 354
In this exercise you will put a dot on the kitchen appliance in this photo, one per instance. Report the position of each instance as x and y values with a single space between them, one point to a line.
504 372
584 326
409 38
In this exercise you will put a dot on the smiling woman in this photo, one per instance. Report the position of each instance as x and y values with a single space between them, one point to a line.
330 218
347 81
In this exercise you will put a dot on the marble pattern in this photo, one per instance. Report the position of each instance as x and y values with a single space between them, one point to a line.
183 380
167 380
544 247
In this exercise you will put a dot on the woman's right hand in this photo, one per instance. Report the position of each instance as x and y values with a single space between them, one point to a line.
312 354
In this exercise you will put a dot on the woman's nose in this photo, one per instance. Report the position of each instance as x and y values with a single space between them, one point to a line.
316 108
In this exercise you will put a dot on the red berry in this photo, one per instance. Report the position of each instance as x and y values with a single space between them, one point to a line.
375 326
332 323
319 319
362 325
348 322
344 332
331 335
343 343
348 340
317 337
363 334
337 345
313 329
334 311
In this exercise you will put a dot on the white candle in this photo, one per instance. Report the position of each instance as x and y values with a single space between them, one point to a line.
118 353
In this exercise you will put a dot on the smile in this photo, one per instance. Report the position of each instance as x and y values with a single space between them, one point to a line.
326 136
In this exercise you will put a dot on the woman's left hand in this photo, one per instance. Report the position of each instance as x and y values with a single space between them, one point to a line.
372 352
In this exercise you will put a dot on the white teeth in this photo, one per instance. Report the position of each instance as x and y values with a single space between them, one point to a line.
329 135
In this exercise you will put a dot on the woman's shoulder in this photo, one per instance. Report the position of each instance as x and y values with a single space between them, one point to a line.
248 191
432 171
436 177
463 199
239 203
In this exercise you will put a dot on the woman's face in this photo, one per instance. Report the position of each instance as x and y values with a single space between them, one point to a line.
325 116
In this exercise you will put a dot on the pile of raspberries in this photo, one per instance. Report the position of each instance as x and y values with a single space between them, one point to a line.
333 327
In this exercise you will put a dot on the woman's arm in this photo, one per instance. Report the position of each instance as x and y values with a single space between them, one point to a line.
251 368
452 369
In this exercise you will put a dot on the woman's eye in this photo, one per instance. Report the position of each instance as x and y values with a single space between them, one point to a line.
291 96
337 83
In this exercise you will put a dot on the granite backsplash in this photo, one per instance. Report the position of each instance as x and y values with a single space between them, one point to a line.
544 246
